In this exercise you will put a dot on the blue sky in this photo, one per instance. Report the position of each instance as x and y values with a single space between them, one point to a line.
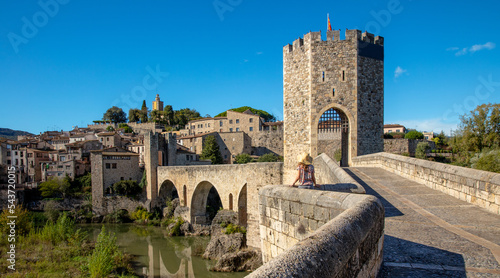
64 62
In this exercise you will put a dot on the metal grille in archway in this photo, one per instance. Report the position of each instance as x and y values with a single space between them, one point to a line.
333 121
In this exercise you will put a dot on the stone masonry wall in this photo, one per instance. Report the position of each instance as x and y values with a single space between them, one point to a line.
241 181
400 145
478 187
312 233
268 141
346 75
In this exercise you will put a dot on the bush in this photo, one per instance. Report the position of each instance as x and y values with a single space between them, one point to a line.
51 211
128 188
50 188
101 263
388 136
397 135
59 231
141 215
127 128
269 157
23 220
175 229
487 160
422 150
243 158
414 135
338 155
231 229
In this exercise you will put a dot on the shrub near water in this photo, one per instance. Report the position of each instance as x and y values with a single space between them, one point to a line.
101 261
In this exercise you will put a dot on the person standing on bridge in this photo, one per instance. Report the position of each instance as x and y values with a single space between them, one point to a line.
305 173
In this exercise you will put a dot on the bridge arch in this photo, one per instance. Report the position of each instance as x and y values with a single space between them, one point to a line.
205 195
167 191
242 206
334 126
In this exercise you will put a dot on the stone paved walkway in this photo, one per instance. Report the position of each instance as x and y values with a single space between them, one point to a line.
429 233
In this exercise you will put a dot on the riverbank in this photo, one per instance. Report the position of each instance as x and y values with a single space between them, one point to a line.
59 249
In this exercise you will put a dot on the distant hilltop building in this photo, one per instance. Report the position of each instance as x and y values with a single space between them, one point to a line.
157 103
236 133
390 128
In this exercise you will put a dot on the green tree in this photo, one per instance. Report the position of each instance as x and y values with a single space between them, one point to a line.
155 116
268 157
183 116
422 150
50 188
115 115
243 158
487 160
414 135
128 188
126 127
84 182
134 115
267 116
479 129
143 115
211 150
110 128
168 114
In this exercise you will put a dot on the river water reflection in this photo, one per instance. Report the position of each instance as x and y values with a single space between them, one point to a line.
157 255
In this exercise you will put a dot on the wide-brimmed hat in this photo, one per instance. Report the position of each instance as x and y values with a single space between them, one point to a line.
305 159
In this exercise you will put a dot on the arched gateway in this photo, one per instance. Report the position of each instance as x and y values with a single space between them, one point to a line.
333 94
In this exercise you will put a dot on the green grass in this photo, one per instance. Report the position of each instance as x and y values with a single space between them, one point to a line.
60 250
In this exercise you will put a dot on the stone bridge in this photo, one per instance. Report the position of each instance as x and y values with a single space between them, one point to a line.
236 185
439 219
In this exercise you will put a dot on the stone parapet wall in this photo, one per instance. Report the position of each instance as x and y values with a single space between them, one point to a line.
400 145
312 233
477 187
332 177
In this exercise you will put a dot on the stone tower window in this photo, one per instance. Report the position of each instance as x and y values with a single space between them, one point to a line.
333 92
323 77
343 75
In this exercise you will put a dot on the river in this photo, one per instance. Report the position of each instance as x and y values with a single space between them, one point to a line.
157 255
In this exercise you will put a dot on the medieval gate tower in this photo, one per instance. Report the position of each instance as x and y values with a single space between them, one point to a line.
333 96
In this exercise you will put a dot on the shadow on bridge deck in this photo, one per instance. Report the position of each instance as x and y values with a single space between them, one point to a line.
429 233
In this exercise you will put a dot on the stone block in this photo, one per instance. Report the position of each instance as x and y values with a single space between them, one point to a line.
274 213
274 251
308 210
281 215
313 224
296 208
321 214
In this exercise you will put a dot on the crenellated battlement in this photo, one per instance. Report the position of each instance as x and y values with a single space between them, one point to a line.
333 36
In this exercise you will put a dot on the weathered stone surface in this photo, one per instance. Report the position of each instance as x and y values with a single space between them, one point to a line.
345 243
459 182
332 177
236 184
401 145
243 260
224 244
320 75
169 211
223 217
